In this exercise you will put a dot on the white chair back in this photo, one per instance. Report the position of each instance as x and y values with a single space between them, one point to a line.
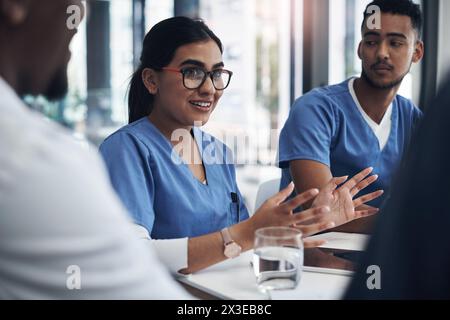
267 190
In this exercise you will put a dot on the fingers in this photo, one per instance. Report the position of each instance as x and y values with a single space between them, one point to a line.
315 228
308 243
333 184
366 213
363 184
356 179
291 205
316 219
309 215
366 198
283 194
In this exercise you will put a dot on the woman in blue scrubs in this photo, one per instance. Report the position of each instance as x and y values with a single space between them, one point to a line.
177 181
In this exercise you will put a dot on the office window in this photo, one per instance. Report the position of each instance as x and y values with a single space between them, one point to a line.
121 58
156 11
99 72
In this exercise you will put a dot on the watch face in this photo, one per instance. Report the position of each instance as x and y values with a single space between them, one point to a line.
232 250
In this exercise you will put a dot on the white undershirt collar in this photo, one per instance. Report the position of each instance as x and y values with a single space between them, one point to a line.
383 130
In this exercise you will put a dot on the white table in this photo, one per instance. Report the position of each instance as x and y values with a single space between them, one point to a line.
234 279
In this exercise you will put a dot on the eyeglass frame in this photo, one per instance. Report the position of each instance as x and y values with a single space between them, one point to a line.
207 74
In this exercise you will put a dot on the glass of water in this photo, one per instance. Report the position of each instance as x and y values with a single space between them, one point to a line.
278 258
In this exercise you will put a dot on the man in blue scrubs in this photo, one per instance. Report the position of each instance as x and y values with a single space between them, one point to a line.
341 129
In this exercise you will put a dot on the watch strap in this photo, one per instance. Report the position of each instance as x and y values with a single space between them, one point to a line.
226 236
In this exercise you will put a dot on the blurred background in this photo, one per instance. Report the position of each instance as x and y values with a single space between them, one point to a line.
277 49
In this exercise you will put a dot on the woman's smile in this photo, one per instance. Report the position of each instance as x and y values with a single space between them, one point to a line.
204 106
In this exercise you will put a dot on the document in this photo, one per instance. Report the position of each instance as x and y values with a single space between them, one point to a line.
343 241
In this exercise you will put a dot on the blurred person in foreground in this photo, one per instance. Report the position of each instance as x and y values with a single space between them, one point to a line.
59 217
412 262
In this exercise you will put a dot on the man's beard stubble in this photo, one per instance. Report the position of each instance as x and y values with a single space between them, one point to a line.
375 85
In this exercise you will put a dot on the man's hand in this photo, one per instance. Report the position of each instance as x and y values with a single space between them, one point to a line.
277 212
340 200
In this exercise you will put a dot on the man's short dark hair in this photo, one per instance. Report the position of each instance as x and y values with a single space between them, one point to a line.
400 7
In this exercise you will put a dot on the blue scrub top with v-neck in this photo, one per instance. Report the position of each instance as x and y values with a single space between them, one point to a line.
159 189
326 126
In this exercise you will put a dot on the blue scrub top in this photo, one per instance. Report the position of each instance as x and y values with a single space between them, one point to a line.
326 126
159 189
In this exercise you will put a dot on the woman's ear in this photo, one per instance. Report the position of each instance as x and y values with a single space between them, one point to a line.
14 12
150 80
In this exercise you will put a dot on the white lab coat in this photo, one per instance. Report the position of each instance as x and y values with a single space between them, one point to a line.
63 232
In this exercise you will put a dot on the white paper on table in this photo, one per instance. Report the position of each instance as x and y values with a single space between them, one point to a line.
343 241
235 280
315 286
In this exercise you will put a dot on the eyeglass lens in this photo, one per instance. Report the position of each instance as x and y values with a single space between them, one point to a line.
194 78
